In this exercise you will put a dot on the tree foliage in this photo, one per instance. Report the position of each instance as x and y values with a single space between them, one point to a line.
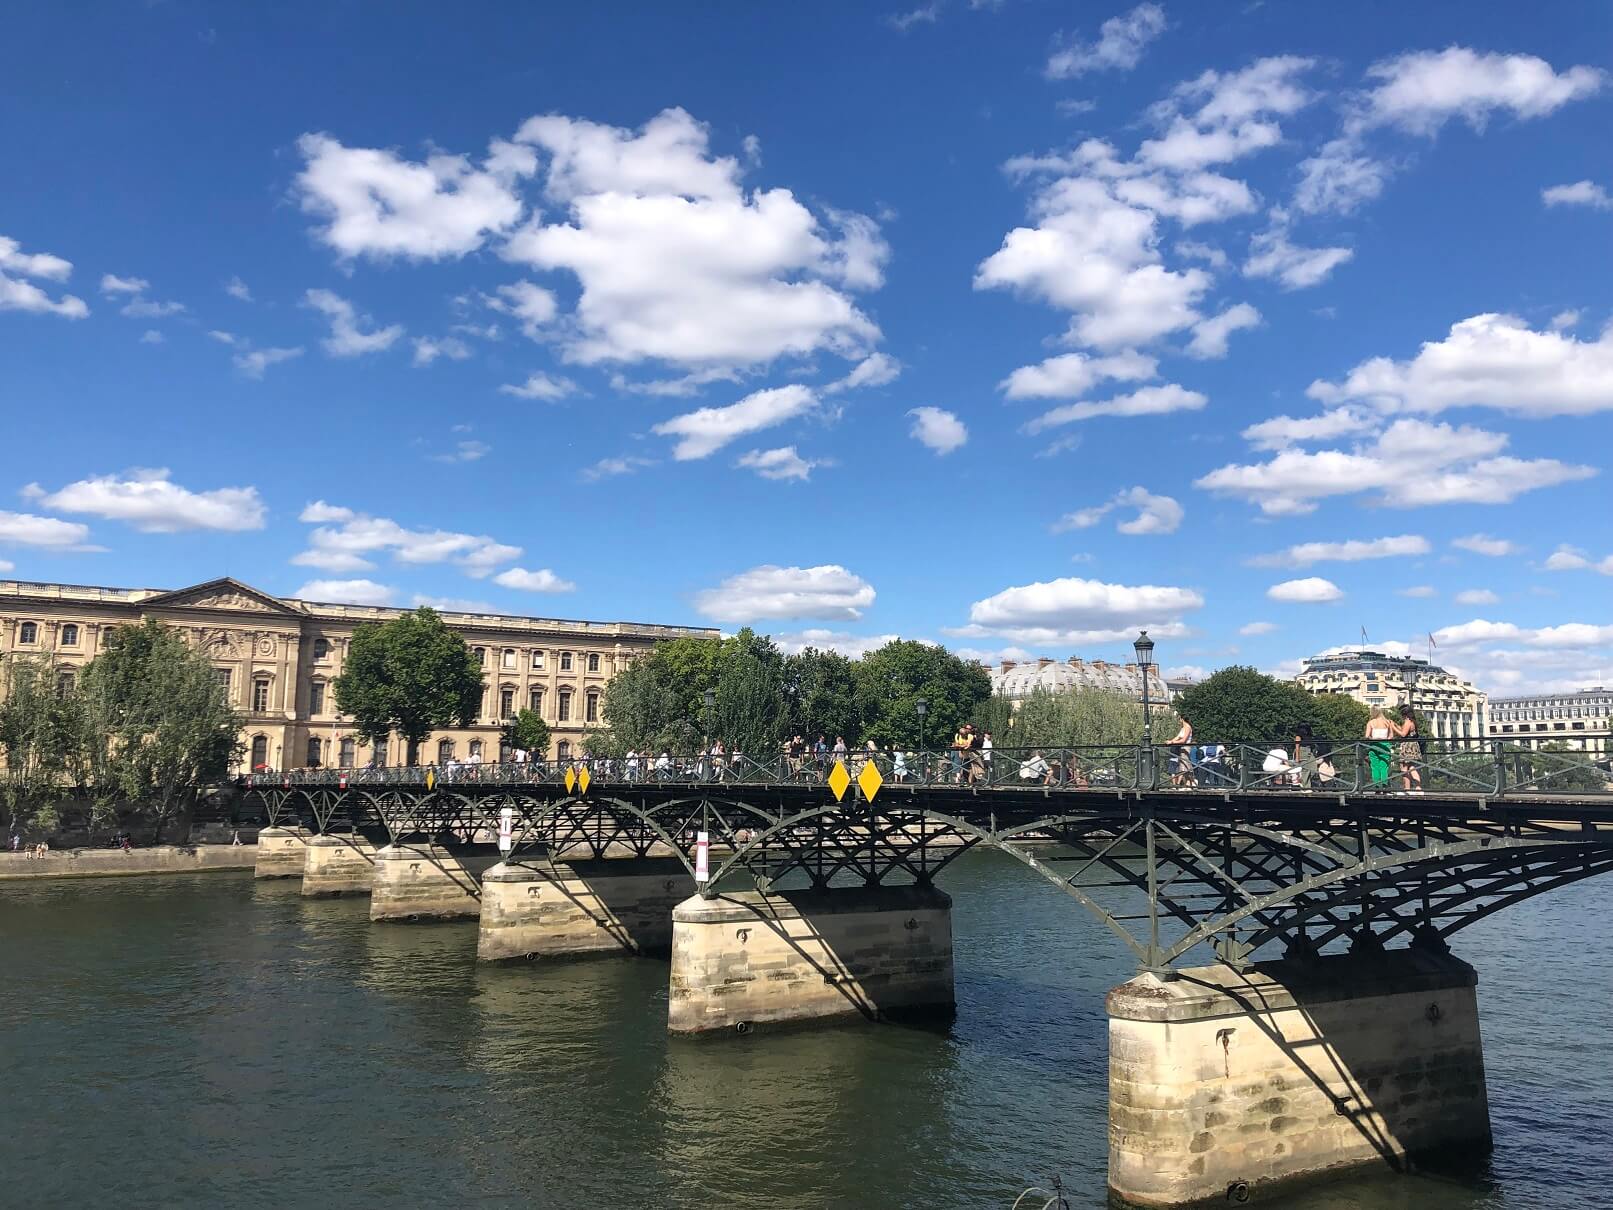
35 737
1241 705
821 689
1072 718
411 675
892 679
529 732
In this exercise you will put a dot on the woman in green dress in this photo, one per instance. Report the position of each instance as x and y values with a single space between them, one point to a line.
1379 732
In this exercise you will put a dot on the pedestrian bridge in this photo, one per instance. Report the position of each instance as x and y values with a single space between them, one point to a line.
1291 920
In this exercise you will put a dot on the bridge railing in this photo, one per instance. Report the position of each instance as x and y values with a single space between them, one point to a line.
1488 767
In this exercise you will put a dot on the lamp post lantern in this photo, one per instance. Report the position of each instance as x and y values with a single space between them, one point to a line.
921 708
1144 647
1409 675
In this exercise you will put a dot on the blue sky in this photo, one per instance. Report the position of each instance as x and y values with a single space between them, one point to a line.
1015 325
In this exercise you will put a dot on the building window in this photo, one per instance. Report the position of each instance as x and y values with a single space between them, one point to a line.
445 751
475 751
565 661
346 754
564 750
28 632
378 756
593 661
481 655
564 713
507 660
313 752
260 753
506 703
223 677
69 635
591 708
321 649
64 684
316 698
537 661
260 696
535 701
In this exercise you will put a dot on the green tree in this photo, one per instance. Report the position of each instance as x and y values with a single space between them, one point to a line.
1241 705
892 679
35 742
411 675
529 732
1068 719
821 688
658 701
161 713
750 708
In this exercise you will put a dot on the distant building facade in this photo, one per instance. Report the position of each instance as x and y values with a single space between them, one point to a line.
1579 720
276 659
1453 707
1017 680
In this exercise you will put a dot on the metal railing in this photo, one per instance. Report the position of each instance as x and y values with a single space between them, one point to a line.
1490 768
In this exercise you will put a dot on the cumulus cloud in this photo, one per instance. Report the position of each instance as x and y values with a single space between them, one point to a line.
1483 544
1148 401
468 450
19 295
1252 629
254 363
1571 558
345 540
1353 550
1280 432
238 289
1273 255
112 284
1119 46
50 533
547 387
1073 374
769 592
875 370
1580 193
852 646
347 335
1410 463
346 592
1417 592
1154 515
1421 91
781 463
703 432
1312 590
937 429
530 305
1074 610
1211 336
151 502
1490 360
1476 596
533 581
608 468
428 349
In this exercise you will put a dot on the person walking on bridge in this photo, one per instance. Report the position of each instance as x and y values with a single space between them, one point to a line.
1411 752
1378 732
1182 756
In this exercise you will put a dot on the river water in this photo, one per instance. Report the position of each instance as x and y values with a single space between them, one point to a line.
211 1041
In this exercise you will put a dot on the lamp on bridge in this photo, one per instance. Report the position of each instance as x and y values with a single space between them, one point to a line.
1144 647
921 708
710 715
1410 676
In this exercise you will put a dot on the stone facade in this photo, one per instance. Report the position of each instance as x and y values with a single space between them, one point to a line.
746 959
1017 680
1582 721
532 909
276 658
1453 707
1225 1085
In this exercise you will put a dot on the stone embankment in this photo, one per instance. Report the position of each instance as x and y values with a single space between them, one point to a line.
113 863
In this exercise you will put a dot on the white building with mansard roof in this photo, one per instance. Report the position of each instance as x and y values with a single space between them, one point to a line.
277 656
1017 680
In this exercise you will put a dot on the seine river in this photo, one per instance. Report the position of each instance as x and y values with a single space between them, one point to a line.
209 1041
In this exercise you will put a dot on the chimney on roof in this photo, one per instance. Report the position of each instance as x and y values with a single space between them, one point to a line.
1008 666
1077 662
1042 662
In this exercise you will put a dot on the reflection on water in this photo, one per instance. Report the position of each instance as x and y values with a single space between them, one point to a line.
212 1041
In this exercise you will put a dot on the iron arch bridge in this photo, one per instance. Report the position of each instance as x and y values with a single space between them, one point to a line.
1248 851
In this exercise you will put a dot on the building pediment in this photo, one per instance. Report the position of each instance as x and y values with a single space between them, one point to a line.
226 594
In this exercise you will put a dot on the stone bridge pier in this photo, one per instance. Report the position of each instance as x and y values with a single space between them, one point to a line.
282 852
746 958
437 879
533 907
1225 1085
338 864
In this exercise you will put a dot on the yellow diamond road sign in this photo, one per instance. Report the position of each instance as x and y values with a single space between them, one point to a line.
870 780
571 778
582 780
839 780
431 779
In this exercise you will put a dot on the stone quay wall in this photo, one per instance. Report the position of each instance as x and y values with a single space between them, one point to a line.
112 863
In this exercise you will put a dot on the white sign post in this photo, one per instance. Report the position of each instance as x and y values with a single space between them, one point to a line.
506 829
702 857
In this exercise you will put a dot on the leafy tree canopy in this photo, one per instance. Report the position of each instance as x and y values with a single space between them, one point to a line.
529 732
891 680
411 675
1072 718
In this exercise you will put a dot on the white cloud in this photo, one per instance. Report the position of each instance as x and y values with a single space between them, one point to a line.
1271 254
152 503
607 468
1409 464
428 348
852 646
1353 550
1483 544
937 429
678 263
875 370
151 337
1210 336
1119 46
1251 629
253 363
1280 432
469 450
25 529
346 592
1417 591
1072 374
18 295
1570 558
112 284
347 337
451 604
1419 92
1564 635
924 14
530 304
237 289
1564 320
374 203
1339 179
1490 360
149 308
1148 401
1073 610
828 591
781 463
533 581
547 387
1312 590
703 432
1476 596
1580 193
1155 514
344 539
